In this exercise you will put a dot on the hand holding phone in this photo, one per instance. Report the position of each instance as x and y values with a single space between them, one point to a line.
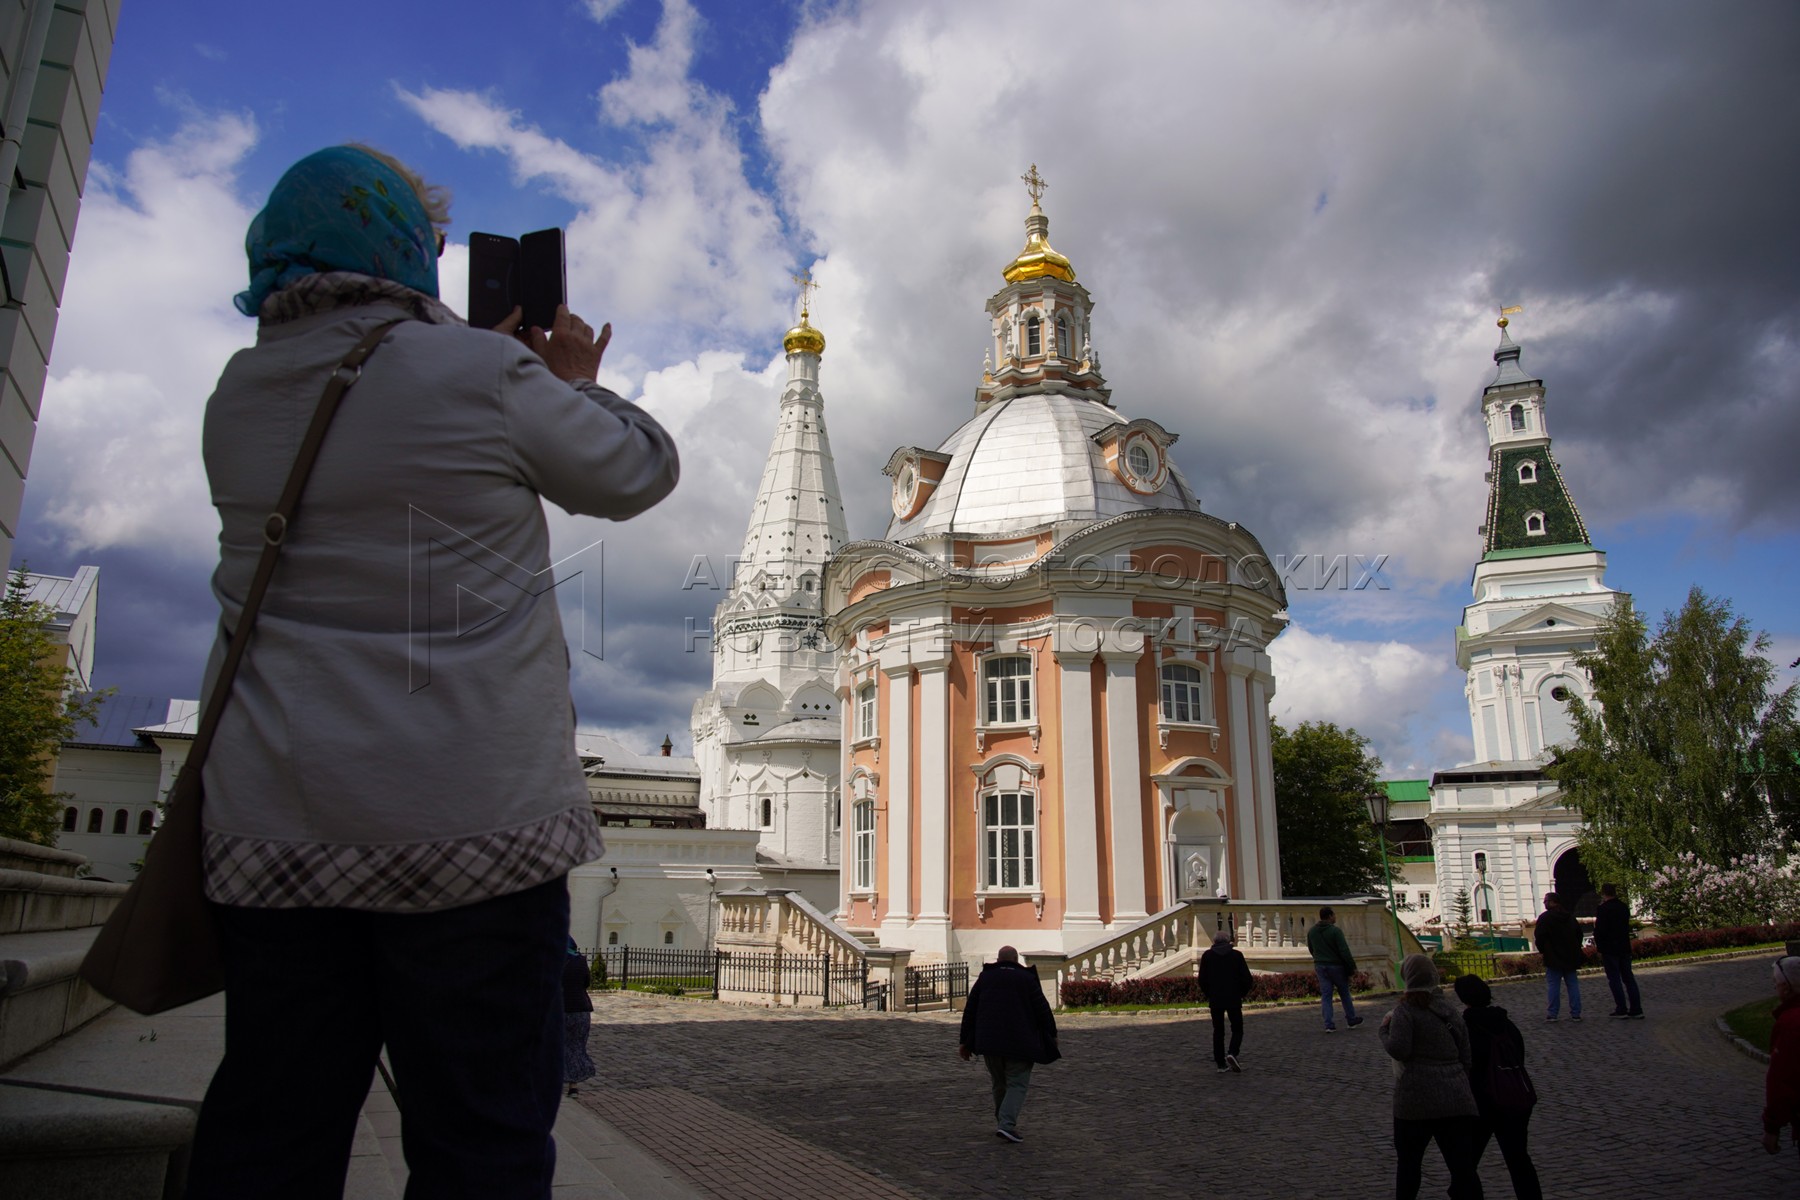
571 349
529 273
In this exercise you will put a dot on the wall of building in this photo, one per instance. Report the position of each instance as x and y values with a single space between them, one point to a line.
110 782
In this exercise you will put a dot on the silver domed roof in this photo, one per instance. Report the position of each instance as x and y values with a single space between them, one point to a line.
1028 462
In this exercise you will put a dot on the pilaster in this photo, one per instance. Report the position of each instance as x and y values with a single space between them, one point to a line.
900 850
1124 773
1081 831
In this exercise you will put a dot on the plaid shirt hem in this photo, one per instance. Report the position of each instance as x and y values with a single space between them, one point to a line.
410 877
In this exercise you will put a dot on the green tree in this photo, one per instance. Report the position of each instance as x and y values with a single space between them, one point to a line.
1688 747
1462 912
1323 776
38 710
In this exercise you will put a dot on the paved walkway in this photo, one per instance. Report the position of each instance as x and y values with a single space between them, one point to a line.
749 1103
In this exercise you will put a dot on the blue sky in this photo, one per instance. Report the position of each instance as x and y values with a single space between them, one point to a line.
1297 223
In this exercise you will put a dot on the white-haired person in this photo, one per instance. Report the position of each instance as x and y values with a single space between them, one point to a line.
393 802
1781 1088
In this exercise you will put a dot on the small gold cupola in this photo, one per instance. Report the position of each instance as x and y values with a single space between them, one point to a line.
803 338
1038 259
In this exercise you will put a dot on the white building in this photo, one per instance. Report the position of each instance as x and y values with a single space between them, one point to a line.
767 735
1500 825
116 771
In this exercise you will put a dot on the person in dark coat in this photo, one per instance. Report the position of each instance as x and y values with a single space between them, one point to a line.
1558 938
1225 980
1491 1032
578 1018
1612 938
1008 1022
1781 1087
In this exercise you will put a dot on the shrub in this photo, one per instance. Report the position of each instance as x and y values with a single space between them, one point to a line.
1691 941
597 972
1692 894
661 988
1185 989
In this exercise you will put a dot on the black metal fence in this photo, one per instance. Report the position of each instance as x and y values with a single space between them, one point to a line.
775 975
623 966
938 983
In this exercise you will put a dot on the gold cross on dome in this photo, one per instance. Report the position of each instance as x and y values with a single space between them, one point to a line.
807 287
1034 183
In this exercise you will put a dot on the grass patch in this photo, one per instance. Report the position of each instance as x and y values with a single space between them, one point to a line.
1754 1022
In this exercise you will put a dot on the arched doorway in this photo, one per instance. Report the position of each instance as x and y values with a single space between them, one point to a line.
1197 853
1573 884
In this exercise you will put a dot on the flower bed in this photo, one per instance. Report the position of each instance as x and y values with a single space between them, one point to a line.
1185 989
1665 945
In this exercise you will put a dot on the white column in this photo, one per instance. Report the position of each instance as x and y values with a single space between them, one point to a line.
1124 776
1081 829
1243 791
1269 837
896 761
842 797
934 802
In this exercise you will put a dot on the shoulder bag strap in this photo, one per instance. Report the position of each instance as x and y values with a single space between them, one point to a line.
275 533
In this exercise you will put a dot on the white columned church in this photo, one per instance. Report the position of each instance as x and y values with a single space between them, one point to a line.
1501 829
767 735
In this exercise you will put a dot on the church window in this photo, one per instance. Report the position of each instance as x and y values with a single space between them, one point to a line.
865 845
1142 465
1185 695
1560 694
668 937
1518 417
95 817
1063 339
1009 840
1034 335
1007 687
1480 863
1424 899
1534 524
768 813
865 712
120 821
1527 472
612 937
146 823
69 818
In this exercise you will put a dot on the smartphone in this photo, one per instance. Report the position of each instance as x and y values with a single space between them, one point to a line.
528 273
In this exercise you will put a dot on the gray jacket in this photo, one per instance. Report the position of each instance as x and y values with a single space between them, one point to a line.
408 681
1430 1048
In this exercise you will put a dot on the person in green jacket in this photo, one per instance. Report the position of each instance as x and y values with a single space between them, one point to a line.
1334 965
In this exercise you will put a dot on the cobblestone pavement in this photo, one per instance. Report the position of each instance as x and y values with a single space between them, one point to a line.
753 1103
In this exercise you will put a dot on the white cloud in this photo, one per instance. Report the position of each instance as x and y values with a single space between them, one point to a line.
1381 689
602 10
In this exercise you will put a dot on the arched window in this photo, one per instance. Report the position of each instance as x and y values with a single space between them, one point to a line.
1063 337
1034 335
146 822
1009 840
1534 524
1186 698
1527 472
121 821
768 813
865 712
69 818
95 817
612 937
1518 416
668 937
865 845
1007 690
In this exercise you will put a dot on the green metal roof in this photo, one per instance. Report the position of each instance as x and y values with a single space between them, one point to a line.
1538 552
1408 791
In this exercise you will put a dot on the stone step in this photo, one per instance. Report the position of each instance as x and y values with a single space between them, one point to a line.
42 860
32 902
41 997
75 1146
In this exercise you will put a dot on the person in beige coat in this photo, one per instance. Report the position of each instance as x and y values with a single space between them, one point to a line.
1425 1037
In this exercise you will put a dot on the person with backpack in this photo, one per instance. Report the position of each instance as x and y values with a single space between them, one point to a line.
1225 980
1504 1096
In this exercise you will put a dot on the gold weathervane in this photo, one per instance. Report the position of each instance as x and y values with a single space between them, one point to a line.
808 285
1508 311
1034 183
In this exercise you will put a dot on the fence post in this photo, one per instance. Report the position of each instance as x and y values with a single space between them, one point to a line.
625 968
716 956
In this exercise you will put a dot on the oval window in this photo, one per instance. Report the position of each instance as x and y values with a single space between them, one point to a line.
1139 460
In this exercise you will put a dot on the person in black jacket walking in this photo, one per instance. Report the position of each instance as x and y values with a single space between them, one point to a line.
1558 938
1008 1022
1225 980
1495 1041
1612 938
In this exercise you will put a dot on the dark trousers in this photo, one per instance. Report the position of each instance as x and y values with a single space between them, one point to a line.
1455 1137
1511 1132
1622 982
1219 1014
468 1002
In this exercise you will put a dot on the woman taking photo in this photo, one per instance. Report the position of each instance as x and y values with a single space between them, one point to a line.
1432 1102
393 802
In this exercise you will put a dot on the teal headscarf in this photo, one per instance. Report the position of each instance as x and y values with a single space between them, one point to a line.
339 210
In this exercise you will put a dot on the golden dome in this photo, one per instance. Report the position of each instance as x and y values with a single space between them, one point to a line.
803 337
1038 259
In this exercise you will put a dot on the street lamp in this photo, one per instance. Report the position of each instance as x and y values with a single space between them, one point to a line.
1378 813
712 897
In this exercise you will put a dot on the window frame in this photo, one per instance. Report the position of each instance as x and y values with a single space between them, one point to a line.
1528 471
1536 518
862 879
1516 418
1034 335
867 698
1202 687
1028 846
1023 701
1065 339
766 812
